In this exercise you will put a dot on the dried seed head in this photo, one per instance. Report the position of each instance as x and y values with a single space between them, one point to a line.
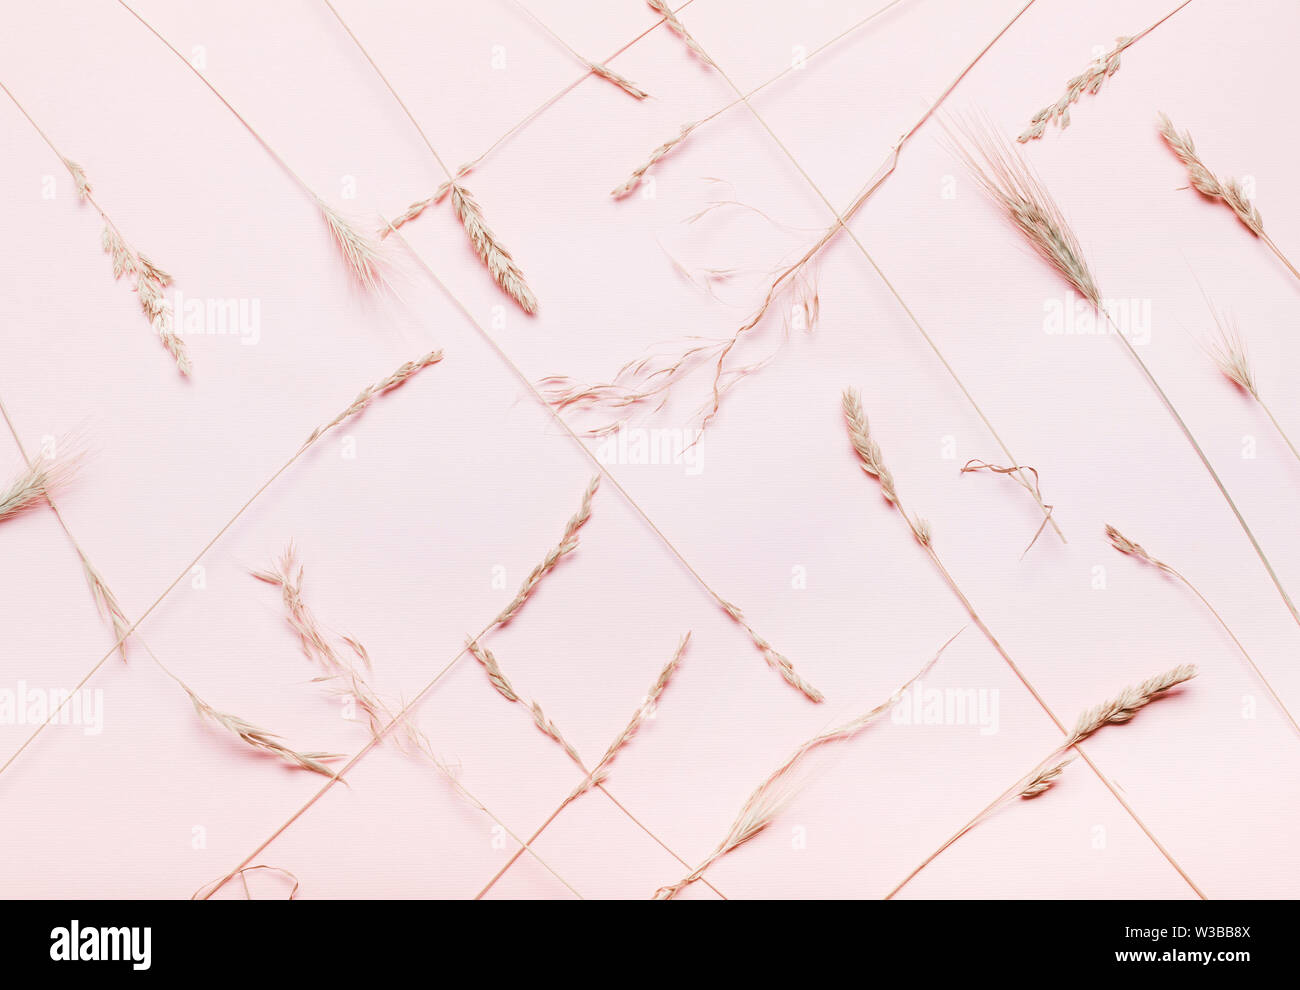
499 261
1088 81
1044 779
1128 703
1012 185
364 259
1205 182
868 451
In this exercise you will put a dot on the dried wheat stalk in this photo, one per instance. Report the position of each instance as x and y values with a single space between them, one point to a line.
150 281
776 660
1129 548
493 253
34 484
678 28
872 461
638 173
1045 774
489 661
776 791
1012 185
79 178
622 82
1089 80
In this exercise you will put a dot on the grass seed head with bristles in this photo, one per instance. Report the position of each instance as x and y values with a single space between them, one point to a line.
1132 699
34 484
364 259
79 178
499 261
261 739
1205 182
1228 351
398 378
1013 186
107 604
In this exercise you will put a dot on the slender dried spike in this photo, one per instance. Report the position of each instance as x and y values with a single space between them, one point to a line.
601 770
1128 703
1126 546
776 791
1205 182
623 83
1088 81
489 661
367 395
868 451
150 281
568 543
107 604
639 172
1045 779
261 739
493 254
775 659
364 259
678 28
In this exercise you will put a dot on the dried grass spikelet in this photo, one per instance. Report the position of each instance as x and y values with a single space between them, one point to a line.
1205 182
639 172
678 28
489 661
150 281
261 739
34 484
79 178
1044 779
1128 703
568 543
364 259
1128 547
1088 81
1014 187
499 261
622 82
1228 351
287 574
775 659
600 772
872 461
106 602
775 792
367 395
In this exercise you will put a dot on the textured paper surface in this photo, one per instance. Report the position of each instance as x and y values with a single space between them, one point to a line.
409 517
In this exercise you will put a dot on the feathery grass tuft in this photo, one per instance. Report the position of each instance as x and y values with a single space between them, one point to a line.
364 259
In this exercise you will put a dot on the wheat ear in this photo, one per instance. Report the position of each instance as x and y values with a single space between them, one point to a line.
33 485
1045 774
779 787
1131 549
1025 201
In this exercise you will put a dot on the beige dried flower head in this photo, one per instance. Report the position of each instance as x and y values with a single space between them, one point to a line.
261 739
1128 703
1126 546
150 281
499 261
639 172
364 259
622 82
1013 186
678 28
1205 182
79 178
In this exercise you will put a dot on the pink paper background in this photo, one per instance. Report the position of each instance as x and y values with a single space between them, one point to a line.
463 472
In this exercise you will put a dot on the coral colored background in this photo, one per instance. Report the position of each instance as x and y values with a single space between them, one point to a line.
463 472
